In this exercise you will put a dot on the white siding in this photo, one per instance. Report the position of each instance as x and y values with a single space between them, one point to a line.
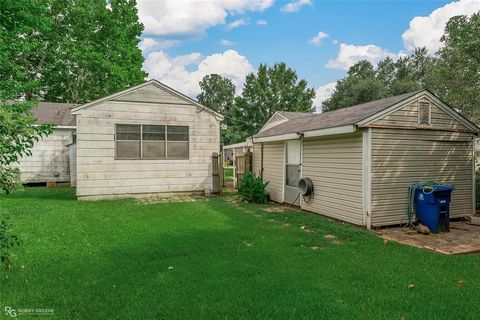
99 174
49 161
403 157
273 169
408 117
257 159
335 167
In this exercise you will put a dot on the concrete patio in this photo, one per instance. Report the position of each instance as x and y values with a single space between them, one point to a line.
463 238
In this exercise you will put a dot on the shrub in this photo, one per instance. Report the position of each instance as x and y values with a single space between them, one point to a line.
7 241
252 189
10 179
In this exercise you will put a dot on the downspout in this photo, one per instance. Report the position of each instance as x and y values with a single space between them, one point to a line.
261 160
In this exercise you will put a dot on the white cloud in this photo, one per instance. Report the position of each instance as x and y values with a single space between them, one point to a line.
149 44
174 72
335 41
323 93
262 22
350 54
427 31
193 17
317 40
227 43
237 23
296 5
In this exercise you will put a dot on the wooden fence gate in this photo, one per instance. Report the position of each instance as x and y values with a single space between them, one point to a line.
243 164
217 172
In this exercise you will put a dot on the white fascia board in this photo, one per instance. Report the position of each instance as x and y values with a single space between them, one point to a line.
330 131
237 145
309 134
281 137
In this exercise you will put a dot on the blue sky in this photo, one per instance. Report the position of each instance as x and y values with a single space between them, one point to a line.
184 40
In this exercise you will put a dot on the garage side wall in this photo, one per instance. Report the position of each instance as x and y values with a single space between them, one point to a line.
335 167
401 157
274 169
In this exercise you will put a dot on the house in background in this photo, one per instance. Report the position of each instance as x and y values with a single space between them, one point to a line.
50 160
145 141
363 159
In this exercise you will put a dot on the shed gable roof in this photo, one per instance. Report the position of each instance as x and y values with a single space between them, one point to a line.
135 94
54 113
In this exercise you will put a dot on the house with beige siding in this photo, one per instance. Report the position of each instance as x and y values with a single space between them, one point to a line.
49 161
149 140
363 159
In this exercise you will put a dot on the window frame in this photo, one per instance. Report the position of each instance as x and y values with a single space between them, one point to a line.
421 104
116 141
141 141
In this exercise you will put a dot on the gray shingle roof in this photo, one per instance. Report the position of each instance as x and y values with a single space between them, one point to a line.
341 117
294 115
54 113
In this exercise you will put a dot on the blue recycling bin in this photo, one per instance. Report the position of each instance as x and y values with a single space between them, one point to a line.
432 206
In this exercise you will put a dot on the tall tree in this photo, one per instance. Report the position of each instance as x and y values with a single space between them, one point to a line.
364 83
218 93
360 85
456 76
20 23
90 51
269 90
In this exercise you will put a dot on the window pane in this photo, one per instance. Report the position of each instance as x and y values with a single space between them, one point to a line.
293 151
177 149
153 149
153 132
127 132
177 133
128 149
293 175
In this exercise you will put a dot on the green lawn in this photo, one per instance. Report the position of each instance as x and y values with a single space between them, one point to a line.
228 174
219 260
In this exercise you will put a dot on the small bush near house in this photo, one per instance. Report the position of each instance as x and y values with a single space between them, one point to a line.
10 180
7 241
252 189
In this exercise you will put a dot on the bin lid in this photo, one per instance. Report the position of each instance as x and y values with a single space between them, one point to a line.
438 188
444 187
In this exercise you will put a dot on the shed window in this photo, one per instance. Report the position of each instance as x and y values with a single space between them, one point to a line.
128 141
151 142
424 112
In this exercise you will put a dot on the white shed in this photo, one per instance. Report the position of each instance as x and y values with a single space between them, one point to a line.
50 161
146 141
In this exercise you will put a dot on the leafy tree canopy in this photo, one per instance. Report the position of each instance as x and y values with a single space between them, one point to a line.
364 83
456 75
269 90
